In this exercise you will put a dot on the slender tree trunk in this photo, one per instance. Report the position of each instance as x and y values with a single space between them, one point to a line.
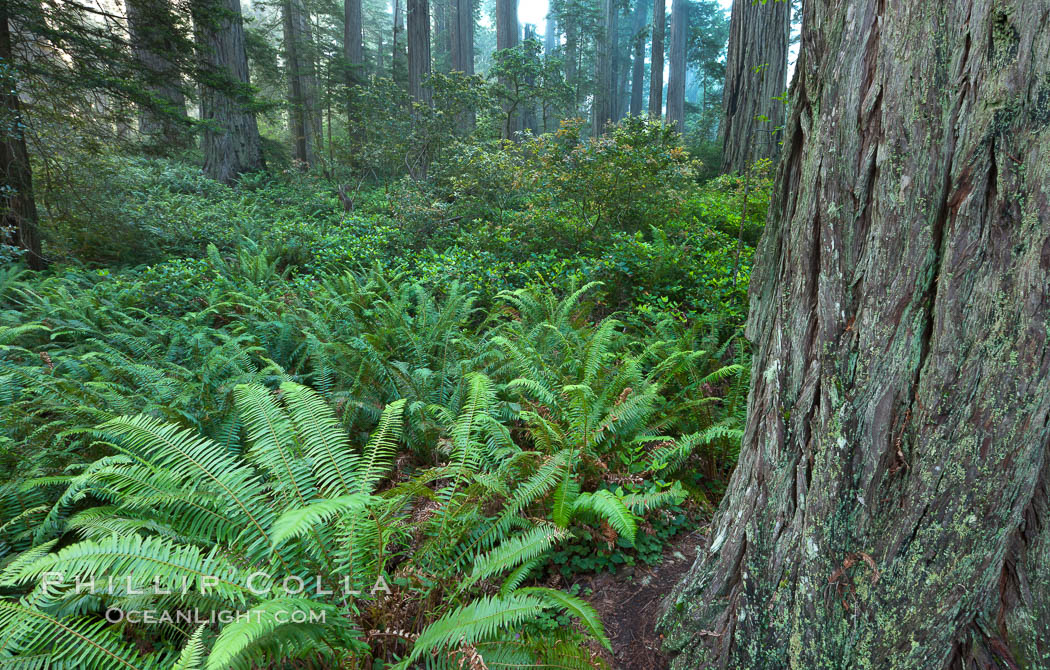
418 49
638 61
302 83
890 506
380 61
230 141
572 70
507 38
676 80
528 108
656 65
756 74
152 27
399 58
622 53
17 206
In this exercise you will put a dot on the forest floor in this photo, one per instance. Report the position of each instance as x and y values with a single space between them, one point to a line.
630 607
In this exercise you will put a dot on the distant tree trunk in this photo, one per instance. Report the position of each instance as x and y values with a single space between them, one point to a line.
638 61
152 28
399 58
528 110
230 142
442 40
676 80
507 38
17 206
550 35
302 82
353 49
622 56
572 69
380 61
605 76
418 49
656 65
756 73
890 506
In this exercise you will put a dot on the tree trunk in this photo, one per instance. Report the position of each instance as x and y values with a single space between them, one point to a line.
418 49
550 35
622 73
463 39
656 65
756 74
605 76
17 206
676 80
302 83
572 70
463 52
890 505
399 57
638 62
507 38
442 43
151 25
230 141
353 49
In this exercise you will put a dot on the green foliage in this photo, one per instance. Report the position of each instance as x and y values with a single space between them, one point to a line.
296 389
528 82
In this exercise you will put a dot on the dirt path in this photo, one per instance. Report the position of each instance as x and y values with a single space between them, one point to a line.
630 607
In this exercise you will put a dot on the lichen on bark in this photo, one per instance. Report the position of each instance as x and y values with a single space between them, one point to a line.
889 509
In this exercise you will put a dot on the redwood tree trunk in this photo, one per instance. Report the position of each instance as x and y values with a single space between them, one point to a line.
890 509
18 219
638 58
656 62
756 74
676 80
418 49
507 38
353 50
230 142
605 76
302 83
463 51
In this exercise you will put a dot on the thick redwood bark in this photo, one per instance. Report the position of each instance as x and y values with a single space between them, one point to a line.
152 26
656 62
418 49
463 37
756 75
18 219
676 78
889 509
230 142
